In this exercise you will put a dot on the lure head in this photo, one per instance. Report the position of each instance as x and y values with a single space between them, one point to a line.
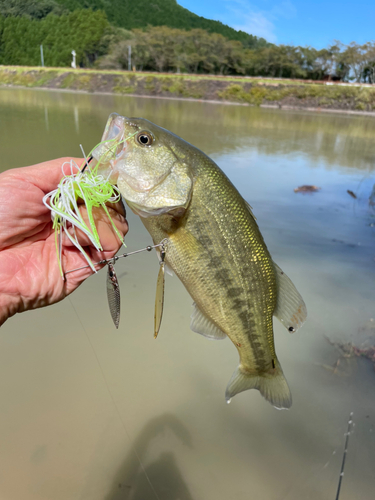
148 163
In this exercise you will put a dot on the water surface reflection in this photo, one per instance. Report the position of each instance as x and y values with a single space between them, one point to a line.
337 140
91 413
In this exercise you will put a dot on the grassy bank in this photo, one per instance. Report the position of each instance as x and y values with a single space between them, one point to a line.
253 91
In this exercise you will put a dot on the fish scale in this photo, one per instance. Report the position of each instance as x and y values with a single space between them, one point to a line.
216 238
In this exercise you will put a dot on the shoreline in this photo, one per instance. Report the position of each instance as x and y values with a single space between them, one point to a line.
266 93
191 99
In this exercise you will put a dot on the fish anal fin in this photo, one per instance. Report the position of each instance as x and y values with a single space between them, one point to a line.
201 324
290 308
272 385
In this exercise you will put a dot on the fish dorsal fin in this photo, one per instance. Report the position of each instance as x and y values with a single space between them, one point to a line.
290 308
201 324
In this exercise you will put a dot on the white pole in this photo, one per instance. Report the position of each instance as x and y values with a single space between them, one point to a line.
129 57
73 64
41 55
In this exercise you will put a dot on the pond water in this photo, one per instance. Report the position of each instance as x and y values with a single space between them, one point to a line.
91 413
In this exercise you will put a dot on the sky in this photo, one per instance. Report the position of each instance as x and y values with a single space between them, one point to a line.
294 22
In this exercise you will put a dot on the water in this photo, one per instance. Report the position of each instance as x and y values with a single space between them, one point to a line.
89 413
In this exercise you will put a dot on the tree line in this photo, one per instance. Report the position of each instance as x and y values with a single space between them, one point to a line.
197 51
27 24
81 30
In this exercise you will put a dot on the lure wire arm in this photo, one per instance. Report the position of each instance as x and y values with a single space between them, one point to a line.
114 259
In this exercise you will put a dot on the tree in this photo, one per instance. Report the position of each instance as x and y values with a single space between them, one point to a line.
355 57
33 9
79 30
369 69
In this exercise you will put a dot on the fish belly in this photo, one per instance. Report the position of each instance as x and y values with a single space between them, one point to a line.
218 253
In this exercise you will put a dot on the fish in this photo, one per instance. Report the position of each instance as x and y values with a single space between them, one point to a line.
214 246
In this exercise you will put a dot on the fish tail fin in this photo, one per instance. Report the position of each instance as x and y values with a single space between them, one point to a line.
272 385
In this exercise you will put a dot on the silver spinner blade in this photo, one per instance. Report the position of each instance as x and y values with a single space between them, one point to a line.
113 294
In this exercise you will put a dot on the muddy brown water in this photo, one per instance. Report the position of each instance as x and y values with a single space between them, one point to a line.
91 413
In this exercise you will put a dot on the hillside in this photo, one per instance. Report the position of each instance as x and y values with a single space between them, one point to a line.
131 14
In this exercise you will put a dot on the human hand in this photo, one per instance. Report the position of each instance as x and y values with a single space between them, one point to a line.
29 271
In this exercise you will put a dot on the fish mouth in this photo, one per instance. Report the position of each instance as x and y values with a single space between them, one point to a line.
113 146
114 128
115 132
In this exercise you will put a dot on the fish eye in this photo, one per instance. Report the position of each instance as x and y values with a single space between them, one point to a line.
144 138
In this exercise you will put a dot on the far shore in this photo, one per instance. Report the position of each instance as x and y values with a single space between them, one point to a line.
267 93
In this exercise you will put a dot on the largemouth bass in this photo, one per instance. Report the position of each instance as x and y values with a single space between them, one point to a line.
214 246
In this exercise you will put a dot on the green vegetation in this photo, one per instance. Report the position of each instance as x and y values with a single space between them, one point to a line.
130 14
197 51
164 37
32 9
63 25
166 49
303 95
81 30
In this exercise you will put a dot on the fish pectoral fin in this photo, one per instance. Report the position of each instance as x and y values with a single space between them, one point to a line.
201 324
168 270
290 308
273 386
